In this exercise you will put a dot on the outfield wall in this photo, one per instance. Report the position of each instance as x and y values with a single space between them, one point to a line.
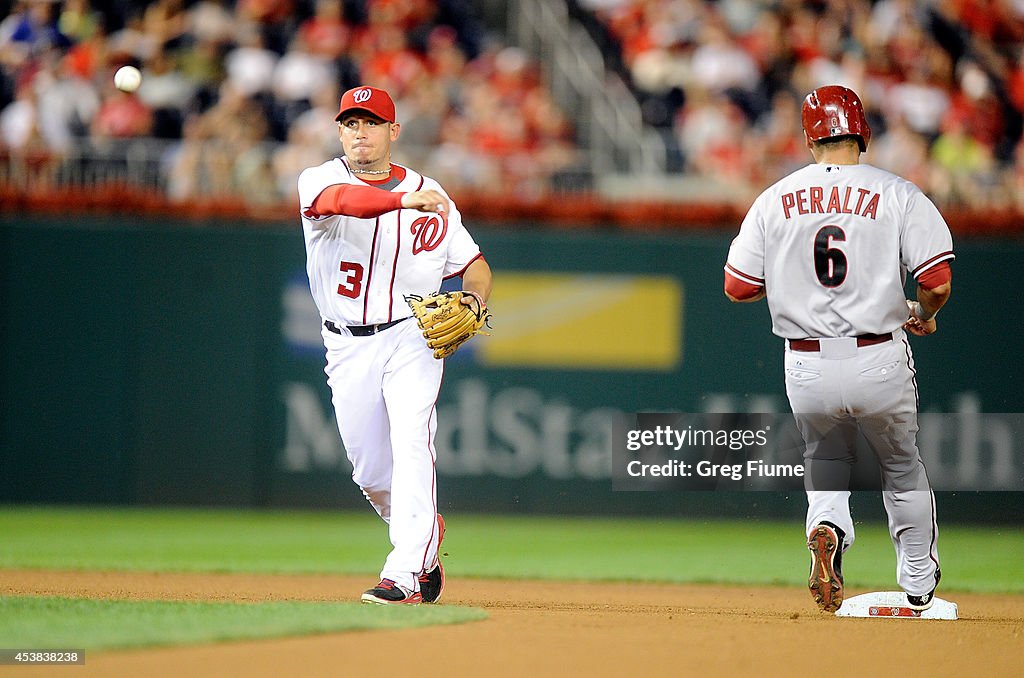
151 363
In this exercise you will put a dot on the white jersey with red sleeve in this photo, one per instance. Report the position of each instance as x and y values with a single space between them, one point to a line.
360 269
832 245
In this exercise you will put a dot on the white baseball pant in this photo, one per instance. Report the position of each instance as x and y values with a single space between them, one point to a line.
841 390
384 388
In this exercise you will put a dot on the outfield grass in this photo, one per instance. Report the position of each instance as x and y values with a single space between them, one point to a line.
983 559
30 622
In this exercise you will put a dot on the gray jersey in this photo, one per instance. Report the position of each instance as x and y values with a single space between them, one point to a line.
832 244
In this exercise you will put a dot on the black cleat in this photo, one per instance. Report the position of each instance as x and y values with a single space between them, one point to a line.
388 592
922 603
432 582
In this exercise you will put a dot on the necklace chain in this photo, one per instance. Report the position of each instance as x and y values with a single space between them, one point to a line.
366 171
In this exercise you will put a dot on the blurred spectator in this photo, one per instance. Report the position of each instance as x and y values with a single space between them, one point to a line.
976 103
445 63
68 102
404 14
711 129
23 142
121 115
220 154
167 92
32 29
202 63
210 21
889 16
781 149
922 103
132 43
963 167
298 76
272 19
164 22
421 109
312 137
19 121
78 20
902 151
1013 181
719 64
89 55
250 65
50 109
460 165
326 34
385 56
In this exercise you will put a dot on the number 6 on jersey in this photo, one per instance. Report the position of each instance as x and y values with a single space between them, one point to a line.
829 262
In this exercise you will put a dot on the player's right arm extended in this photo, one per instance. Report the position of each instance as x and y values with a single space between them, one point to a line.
362 202
367 202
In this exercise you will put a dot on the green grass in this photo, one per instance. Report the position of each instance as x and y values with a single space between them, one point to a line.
30 622
983 559
186 540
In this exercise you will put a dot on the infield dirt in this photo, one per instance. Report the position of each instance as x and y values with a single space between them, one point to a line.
540 629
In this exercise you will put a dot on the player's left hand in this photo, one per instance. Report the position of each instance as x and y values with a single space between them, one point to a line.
448 320
469 298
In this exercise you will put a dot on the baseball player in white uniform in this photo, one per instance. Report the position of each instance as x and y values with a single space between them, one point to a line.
830 246
375 232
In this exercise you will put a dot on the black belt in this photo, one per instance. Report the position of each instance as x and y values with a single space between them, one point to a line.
363 330
806 345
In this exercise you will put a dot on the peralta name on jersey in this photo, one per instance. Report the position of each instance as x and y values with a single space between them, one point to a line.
840 200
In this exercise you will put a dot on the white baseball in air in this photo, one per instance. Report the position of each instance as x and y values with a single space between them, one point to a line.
127 78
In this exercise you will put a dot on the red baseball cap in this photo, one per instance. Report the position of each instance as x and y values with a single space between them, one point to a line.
370 99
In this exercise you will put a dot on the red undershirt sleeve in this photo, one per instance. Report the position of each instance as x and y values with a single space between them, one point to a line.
738 289
939 274
362 202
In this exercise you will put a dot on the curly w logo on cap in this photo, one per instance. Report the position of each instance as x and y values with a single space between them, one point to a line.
372 100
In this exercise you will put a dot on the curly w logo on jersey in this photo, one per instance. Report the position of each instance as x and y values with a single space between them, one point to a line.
428 232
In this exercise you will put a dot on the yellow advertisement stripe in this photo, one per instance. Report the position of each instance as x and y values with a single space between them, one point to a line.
585 321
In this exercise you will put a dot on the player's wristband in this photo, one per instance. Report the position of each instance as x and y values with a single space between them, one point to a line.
479 299
917 311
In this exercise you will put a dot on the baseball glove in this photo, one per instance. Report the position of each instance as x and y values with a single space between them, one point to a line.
447 323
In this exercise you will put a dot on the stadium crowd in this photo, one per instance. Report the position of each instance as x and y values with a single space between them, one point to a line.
243 92
943 81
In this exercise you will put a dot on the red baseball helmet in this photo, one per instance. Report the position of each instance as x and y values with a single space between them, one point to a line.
835 111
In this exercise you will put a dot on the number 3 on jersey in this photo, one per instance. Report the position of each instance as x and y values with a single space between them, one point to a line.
829 262
352 285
